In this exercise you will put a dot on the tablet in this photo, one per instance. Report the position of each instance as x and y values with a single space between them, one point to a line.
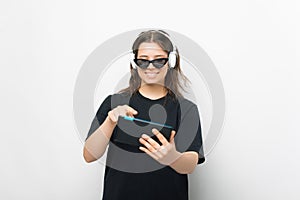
131 129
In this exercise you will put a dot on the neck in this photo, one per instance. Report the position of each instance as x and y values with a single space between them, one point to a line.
153 91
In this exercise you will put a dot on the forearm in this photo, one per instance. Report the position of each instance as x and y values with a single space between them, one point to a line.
96 144
186 163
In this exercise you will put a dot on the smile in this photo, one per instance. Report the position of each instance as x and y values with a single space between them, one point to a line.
151 75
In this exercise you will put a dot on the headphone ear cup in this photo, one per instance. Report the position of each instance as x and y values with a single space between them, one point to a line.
172 59
134 66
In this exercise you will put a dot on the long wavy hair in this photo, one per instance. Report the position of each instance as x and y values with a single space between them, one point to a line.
175 80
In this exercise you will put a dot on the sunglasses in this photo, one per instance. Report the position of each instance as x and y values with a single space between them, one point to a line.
158 63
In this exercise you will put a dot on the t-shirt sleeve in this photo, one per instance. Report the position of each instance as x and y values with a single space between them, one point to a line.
191 127
197 145
100 116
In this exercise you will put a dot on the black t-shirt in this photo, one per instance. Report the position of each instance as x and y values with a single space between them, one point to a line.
160 183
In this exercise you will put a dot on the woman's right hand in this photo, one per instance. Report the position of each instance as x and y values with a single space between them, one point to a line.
123 110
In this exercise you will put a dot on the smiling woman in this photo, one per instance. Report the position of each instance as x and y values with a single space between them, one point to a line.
153 94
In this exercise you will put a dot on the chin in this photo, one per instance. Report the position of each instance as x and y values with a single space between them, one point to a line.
153 82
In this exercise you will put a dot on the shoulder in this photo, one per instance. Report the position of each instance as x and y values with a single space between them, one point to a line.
112 101
186 104
119 98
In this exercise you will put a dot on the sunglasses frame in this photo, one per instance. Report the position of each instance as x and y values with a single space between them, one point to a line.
151 61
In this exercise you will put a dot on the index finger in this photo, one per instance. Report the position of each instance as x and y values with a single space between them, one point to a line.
131 110
160 136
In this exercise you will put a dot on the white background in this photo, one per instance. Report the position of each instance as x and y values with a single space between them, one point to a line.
253 44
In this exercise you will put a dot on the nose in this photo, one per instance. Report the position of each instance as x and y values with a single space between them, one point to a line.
151 66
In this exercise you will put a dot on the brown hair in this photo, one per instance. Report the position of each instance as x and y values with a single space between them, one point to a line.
174 75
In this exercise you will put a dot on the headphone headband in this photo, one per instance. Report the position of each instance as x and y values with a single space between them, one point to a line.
163 33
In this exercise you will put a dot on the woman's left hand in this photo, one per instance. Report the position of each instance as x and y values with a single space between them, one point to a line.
166 153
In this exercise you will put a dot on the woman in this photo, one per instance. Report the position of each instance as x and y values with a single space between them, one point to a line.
153 95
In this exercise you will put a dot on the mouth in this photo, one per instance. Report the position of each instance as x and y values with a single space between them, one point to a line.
151 74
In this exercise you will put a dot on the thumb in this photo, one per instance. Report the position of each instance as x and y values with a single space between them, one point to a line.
172 136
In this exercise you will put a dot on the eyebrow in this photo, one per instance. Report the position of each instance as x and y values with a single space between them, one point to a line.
154 56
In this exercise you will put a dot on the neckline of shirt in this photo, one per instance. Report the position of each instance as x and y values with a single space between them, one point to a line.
148 99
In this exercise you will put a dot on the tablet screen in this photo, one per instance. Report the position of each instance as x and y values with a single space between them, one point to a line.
131 129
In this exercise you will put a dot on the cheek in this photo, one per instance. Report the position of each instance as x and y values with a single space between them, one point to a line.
164 71
140 72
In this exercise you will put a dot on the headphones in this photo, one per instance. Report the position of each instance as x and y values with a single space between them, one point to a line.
172 55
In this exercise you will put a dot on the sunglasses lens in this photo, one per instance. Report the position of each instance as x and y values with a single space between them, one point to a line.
159 63
142 63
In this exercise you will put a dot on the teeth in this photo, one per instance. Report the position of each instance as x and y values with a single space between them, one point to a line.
151 74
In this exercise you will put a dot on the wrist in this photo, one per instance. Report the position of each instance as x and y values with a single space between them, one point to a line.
108 126
112 122
176 157
171 157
